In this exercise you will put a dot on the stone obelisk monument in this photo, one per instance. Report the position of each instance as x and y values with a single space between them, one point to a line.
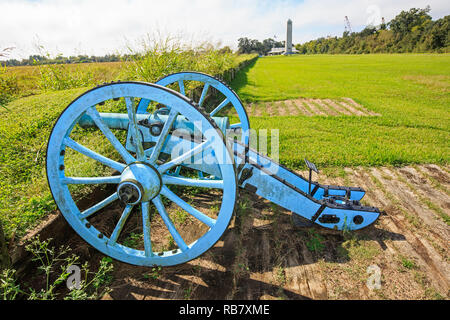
288 49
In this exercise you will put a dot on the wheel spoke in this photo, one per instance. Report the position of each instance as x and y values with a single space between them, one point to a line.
164 133
89 180
89 212
93 113
169 224
142 106
131 108
220 107
203 96
146 228
187 207
181 85
188 182
123 218
93 155
178 160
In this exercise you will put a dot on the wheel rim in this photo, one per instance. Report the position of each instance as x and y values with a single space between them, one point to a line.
135 171
231 100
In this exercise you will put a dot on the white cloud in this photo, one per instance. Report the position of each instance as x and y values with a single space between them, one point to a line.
102 26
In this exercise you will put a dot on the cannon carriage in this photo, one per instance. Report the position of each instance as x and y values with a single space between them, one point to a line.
174 142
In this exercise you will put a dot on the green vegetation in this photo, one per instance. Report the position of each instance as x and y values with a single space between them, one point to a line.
360 249
53 266
8 86
410 31
24 131
247 45
315 241
24 81
59 77
134 240
411 92
154 274
407 263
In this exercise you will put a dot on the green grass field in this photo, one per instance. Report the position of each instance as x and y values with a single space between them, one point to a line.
411 92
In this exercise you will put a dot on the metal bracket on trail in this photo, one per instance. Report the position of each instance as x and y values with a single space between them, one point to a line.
312 167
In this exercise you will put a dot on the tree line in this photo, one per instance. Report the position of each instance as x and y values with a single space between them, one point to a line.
37 59
60 59
410 31
246 45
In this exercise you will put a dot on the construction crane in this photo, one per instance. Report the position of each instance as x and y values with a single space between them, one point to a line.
348 27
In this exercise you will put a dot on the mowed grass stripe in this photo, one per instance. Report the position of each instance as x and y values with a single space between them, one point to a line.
338 107
304 106
314 107
278 108
325 107
307 107
292 108
350 108
360 107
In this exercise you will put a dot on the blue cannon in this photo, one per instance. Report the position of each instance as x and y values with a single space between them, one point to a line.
173 142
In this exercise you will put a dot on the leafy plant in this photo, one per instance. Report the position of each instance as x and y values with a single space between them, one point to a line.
8 288
48 257
156 272
133 240
91 289
407 263
315 242
54 265
180 216
187 293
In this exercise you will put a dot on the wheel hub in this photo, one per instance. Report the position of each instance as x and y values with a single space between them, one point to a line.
140 182
129 192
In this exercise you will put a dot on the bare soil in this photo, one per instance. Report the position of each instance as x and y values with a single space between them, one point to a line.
262 255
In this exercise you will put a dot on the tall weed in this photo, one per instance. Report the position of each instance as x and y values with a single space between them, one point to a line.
8 86
60 77
160 56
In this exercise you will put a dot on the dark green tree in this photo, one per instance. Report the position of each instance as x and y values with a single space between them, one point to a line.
411 20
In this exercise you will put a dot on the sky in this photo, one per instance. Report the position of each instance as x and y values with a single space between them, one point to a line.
99 27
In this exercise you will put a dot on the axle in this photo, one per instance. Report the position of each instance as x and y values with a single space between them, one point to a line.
120 121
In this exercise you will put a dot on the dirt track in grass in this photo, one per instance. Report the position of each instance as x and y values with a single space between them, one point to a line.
262 255
309 107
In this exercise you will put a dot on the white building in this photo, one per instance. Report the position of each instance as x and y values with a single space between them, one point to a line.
281 51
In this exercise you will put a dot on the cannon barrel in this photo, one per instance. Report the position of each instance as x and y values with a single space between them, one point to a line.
120 121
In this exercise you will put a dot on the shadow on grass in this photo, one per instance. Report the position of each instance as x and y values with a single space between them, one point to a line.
241 79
